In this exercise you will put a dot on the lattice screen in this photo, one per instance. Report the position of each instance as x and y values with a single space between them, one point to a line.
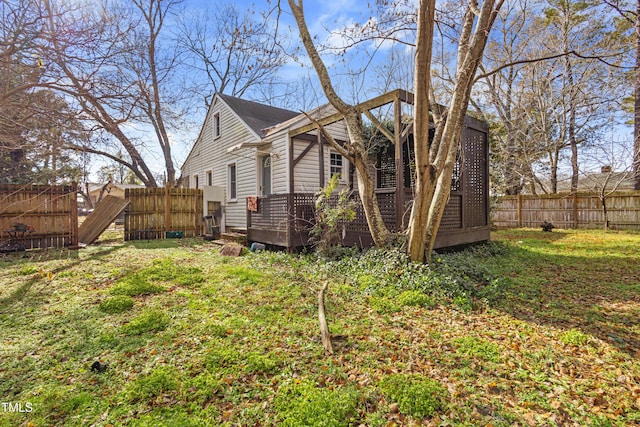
475 182
272 213
386 168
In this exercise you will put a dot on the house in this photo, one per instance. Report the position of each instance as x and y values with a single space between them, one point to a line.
607 179
260 167
97 192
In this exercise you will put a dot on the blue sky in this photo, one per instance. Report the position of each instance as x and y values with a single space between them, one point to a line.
323 17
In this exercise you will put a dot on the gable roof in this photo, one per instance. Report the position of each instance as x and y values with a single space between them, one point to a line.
595 181
257 116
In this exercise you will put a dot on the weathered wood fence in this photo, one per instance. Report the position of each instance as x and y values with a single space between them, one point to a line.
50 214
582 210
157 213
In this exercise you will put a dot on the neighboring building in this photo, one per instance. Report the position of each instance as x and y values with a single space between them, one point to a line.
260 166
98 191
606 179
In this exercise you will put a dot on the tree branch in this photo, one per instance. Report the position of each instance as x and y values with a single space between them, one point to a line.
546 58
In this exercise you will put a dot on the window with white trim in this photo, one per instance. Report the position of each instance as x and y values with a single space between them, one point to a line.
216 125
336 165
232 182
209 178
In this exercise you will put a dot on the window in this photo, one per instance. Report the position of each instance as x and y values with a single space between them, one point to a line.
336 165
209 178
216 125
232 182
195 181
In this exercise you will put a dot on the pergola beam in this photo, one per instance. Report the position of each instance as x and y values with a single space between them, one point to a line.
376 102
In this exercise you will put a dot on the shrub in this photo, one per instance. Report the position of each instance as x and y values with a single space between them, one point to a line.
574 337
135 285
302 404
416 298
160 381
478 348
117 304
149 321
330 215
260 364
415 395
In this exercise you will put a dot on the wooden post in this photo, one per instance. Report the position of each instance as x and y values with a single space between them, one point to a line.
575 210
73 217
196 213
519 211
290 220
320 159
246 207
397 141
290 164
167 209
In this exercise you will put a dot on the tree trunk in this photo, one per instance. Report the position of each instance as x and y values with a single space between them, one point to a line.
636 126
434 174
425 173
356 150
366 191
573 142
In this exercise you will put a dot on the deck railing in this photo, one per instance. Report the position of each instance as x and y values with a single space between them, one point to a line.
286 219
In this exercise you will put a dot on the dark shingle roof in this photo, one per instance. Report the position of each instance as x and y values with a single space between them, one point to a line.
257 116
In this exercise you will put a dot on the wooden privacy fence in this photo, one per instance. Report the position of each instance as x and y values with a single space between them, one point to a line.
157 213
38 216
582 210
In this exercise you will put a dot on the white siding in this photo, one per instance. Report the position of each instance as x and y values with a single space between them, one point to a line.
279 165
307 175
210 154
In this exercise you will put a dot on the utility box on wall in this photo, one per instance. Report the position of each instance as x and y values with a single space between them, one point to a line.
213 198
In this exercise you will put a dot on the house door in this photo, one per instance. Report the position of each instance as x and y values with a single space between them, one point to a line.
265 172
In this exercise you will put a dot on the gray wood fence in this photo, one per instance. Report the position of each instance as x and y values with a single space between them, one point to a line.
39 216
582 210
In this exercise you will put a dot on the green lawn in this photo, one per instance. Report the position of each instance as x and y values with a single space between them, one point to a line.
534 329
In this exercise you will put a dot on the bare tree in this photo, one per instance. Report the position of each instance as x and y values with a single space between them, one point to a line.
35 123
235 51
435 160
109 59
355 151
551 90
21 23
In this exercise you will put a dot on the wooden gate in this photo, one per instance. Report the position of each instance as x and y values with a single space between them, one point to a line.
158 213
38 216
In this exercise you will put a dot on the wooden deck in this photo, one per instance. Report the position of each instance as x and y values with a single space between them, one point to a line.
285 220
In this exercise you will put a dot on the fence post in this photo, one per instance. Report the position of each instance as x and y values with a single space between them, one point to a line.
575 211
73 227
519 210
167 209
196 192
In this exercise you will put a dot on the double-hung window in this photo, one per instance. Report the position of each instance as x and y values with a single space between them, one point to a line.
232 182
336 165
216 125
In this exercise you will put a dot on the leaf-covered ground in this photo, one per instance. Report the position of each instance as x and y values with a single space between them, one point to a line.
192 338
